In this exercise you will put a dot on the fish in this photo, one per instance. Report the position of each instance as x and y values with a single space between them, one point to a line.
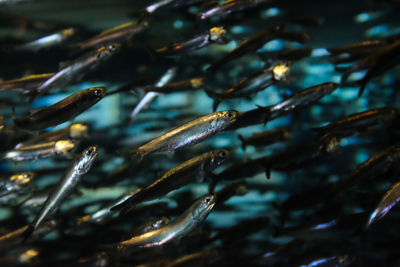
250 44
151 225
231 190
336 260
21 258
214 35
74 71
62 111
195 169
178 228
61 148
228 7
64 187
360 122
253 84
14 238
119 34
286 55
298 100
266 138
16 183
152 95
76 131
179 86
105 213
201 258
26 84
355 48
388 201
49 41
189 133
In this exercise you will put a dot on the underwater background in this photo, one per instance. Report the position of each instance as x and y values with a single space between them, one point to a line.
291 218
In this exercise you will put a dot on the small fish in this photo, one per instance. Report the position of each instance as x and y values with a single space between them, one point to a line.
230 6
61 148
202 258
64 187
286 55
62 111
266 138
214 35
252 84
197 168
119 34
16 183
360 122
106 213
151 225
180 227
49 41
337 260
14 238
26 84
179 86
388 201
367 46
189 133
153 7
76 131
152 95
22 258
75 70
253 43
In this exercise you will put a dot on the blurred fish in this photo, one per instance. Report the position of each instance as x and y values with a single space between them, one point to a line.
388 201
231 190
194 169
230 6
28 257
213 35
75 70
49 41
189 133
119 34
17 183
66 185
76 131
360 122
253 84
179 86
266 138
14 238
61 148
337 260
26 84
253 43
62 111
181 226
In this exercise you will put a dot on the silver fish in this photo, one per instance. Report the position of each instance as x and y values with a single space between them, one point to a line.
176 229
16 183
189 133
48 41
65 186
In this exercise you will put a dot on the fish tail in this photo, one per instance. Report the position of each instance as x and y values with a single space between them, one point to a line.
243 142
27 233
362 83
153 53
215 96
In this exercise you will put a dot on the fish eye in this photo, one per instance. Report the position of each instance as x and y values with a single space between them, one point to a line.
229 114
97 92
221 154
89 152
208 199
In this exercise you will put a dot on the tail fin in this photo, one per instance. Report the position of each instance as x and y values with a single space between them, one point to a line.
27 233
243 142
216 97
363 84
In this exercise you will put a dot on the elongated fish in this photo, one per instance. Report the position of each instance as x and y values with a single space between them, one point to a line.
75 70
64 187
179 86
388 201
189 133
16 183
26 84
62 111
194 169
266 138
181 226
48 41
230 6
214 35
61 148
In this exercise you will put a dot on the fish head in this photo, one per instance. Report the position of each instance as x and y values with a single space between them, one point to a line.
203 207
79 130
281 70
86 160
218 157
65 146
226 117
217 35
106 51
98 92
22 179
